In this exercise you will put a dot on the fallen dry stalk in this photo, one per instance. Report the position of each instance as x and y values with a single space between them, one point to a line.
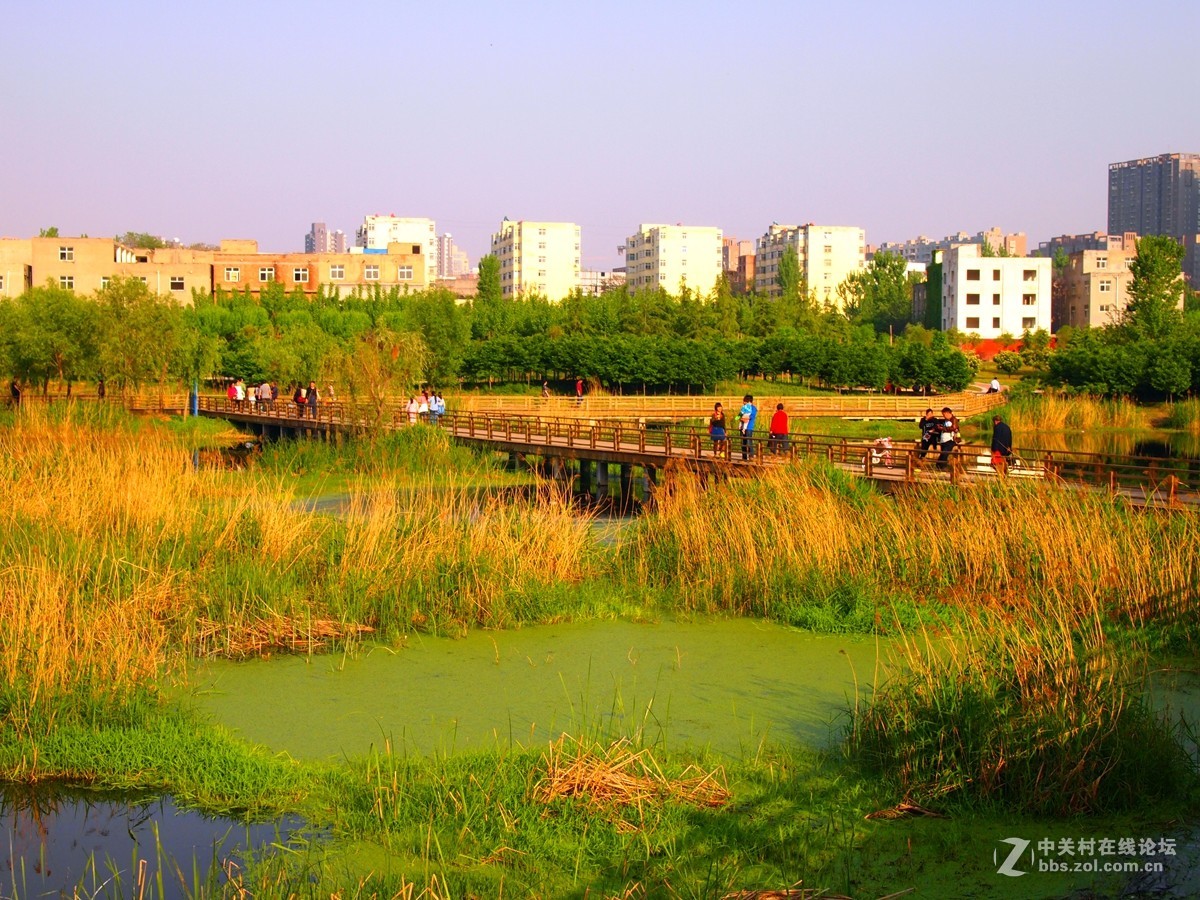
618 775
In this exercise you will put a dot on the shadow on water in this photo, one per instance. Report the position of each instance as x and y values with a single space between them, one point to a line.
60 840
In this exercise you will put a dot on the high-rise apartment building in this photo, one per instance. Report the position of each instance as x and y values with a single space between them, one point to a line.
827 255
1158 195
451 261
377 232
994 295
537 257
321 240
674 256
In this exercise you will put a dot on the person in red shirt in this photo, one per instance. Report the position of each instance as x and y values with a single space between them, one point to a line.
777 437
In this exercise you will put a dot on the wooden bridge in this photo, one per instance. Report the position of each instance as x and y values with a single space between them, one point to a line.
583 443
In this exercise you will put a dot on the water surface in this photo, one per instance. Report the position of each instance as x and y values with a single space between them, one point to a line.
725 684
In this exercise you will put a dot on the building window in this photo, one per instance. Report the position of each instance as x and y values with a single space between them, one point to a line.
267 273
972 299
416 249
1029 299
828 248
142 279
541 232
995 274
1103 307
66 254
300 276
104 279
404 273
233 273
1101 262
337 273
542 260
1031 274
541 245
1 282
66 282
972 274
371 273
995 323
973 322
995 299
177 282
1028 324
1106 286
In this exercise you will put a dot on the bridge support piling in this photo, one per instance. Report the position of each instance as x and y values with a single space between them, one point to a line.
585 477
626 485
650 487
602 481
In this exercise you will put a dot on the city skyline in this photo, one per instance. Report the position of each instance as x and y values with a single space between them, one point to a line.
941 120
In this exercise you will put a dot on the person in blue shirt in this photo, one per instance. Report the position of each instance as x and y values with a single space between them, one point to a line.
746 417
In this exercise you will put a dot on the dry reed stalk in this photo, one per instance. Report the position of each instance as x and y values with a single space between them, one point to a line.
618 775
240 640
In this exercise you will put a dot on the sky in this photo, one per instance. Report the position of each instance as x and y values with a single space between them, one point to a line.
219 119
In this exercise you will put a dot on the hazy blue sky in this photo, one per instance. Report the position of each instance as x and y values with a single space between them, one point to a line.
245 119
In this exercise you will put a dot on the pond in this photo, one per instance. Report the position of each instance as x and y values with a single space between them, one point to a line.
727 684
58 840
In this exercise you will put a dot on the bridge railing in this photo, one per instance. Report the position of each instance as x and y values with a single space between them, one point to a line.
903 460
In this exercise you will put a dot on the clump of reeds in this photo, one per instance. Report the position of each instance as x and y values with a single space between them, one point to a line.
1183 415
1060 412
799 538
1032 711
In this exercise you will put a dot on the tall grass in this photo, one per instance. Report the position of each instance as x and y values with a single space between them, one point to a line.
808 545
119 559
1032 711
1183 415
1055 412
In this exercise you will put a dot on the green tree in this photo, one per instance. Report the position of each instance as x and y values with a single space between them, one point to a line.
487 312
141 240
788 276
879 295
52 231
139 335
1156 288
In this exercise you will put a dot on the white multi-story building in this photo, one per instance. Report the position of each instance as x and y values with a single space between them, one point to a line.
827 255
537 257
994 295
377 232
673 256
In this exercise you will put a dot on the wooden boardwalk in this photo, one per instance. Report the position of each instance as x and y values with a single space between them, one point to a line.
1144 481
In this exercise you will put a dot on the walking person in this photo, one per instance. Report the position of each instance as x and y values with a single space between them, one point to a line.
411 409
947 430
311 399
928 424
777 437
579 392
716 430
1002 449
746 418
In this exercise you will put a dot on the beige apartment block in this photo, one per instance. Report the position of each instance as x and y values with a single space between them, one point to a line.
827 254
1094 288
16 266
238 266
538 258
672 257
994 295
379 232
86 265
